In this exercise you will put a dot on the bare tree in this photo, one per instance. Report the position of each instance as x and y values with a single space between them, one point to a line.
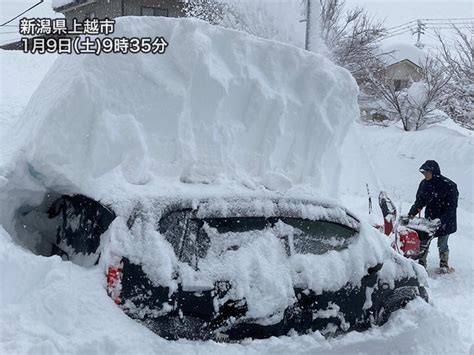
351 36
252 17
413 106
458 101
212 11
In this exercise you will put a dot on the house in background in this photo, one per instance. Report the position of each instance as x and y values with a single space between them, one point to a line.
403 67
82 9
404 64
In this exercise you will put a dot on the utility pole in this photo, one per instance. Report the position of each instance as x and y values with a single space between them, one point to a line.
308 24
420 29
312 25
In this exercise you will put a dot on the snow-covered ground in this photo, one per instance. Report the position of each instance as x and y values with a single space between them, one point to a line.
388 158
55 307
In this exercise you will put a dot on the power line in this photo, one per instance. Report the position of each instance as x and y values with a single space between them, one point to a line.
448 23
399 29
460 20
397 33
420 26
447 19
448 28
403 24
24 12
394 35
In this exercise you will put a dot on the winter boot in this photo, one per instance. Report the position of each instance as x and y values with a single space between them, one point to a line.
443 263
443 259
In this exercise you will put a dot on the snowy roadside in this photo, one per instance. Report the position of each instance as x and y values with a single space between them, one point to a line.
393 158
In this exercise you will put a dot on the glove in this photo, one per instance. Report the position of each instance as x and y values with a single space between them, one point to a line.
405 219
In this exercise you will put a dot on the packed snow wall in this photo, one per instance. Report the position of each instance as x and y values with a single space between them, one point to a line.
218 105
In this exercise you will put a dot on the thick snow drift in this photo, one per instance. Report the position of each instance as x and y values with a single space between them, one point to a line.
217 104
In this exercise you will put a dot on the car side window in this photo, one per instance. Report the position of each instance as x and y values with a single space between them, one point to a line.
181 231
173 227
317 237
198 241
189 246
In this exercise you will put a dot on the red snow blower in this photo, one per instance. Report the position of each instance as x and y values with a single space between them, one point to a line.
412 237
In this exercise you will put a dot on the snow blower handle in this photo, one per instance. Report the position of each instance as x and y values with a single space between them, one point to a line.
370 198
420 224
405 220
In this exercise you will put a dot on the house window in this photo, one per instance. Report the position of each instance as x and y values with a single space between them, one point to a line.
90 14
400 84
154 11
148 11
379 117
161 12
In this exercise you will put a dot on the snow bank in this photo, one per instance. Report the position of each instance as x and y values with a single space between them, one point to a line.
392 157
388 158
218 103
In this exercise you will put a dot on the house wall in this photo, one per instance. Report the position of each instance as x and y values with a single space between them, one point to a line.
116 8
101 8
402 71
134 7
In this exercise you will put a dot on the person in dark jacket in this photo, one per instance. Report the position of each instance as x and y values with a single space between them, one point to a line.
439 196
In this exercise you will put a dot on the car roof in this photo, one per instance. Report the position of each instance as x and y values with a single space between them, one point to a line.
225 206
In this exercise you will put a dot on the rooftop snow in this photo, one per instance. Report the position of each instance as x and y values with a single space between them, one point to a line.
396 52
60 3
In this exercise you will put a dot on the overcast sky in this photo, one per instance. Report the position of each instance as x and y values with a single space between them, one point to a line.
11 8
398 12
393 12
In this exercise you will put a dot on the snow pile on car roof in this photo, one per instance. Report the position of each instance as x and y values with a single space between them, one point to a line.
219 104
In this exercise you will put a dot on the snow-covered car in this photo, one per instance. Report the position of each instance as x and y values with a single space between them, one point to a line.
233 267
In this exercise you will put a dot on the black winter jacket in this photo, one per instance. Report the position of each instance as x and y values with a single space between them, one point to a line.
440 197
